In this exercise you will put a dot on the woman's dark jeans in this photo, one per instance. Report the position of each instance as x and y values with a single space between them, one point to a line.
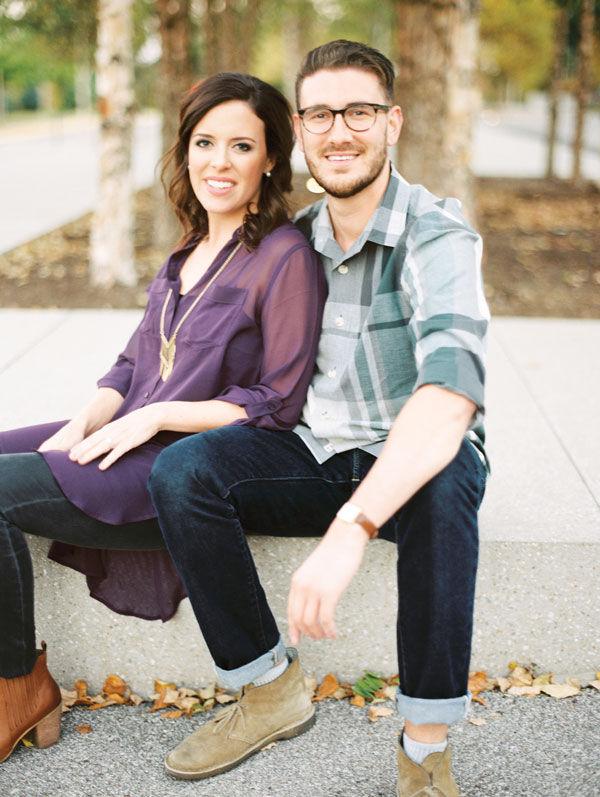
212 488
31 501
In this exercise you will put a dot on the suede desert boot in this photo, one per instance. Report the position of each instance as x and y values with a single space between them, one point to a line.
30 705
432 778
280 709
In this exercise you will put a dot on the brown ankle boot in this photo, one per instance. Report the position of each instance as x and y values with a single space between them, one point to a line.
29 704
432 778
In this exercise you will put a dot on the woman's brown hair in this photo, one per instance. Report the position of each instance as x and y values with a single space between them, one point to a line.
273 109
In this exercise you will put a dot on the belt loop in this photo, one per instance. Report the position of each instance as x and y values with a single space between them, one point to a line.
355 466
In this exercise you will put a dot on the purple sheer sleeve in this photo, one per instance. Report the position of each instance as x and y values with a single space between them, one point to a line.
290 323
120 375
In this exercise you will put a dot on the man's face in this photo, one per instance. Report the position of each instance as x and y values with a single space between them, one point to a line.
342 161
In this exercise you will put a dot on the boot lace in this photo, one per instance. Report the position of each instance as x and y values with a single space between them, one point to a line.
229 718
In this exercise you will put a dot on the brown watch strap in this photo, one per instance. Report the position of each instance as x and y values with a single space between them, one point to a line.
367 525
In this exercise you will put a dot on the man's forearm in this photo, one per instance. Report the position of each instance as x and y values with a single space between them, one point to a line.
424 438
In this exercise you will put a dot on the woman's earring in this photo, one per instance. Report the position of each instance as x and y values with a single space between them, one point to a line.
267 174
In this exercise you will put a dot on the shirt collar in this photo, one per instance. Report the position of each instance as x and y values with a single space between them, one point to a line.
385 227
179 256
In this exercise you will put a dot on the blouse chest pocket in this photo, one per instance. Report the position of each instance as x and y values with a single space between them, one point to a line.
214 319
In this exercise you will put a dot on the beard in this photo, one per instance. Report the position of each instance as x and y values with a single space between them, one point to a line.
344 186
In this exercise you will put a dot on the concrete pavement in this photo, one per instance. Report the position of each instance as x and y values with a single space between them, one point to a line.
537 747
538 590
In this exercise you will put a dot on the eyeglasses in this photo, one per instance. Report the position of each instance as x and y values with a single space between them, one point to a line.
358 116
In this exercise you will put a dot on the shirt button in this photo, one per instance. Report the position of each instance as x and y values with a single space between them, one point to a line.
323 412
331 373
343 269
339 321
328 447
146 395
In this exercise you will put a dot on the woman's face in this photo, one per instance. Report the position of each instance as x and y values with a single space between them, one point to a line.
227 158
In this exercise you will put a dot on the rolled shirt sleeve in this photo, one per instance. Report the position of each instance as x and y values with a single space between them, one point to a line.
119 377
290 321
450 316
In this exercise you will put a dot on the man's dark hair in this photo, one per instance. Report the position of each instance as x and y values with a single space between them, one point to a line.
341 54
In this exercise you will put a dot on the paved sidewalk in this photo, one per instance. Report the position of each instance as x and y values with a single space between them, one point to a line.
536 747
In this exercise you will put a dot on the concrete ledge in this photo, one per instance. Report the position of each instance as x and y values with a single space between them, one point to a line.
534 602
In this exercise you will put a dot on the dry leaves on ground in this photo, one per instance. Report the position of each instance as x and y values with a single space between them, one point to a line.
370 690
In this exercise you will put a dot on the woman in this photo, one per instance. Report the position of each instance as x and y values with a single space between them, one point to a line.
229 336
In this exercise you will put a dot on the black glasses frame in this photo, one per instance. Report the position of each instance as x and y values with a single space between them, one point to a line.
335 111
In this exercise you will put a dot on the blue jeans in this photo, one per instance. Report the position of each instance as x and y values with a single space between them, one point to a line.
212 489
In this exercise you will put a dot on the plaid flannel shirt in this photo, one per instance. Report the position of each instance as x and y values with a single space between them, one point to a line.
405 308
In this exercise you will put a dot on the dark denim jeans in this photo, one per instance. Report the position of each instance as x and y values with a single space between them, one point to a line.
31 501
213 488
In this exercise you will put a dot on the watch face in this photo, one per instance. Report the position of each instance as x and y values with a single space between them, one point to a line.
349 513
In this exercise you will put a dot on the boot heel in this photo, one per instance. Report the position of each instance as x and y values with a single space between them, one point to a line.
47 731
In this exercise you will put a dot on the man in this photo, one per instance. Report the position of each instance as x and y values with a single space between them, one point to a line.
390 440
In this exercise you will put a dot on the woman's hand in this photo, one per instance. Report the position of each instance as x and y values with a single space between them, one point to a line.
119 436
320 581
70 435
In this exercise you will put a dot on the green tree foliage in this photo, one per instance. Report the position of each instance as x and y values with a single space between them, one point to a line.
517 43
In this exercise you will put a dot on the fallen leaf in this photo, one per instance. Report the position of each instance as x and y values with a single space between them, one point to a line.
172 715
225 697
479 682
596 684
477 721
368 685
327 688
521 676
136 699
545 678
207 693
377 712
560 690
525 691
84 728
103 704
269 746
115 685
26 742
188 704
503 683
574 682
358 701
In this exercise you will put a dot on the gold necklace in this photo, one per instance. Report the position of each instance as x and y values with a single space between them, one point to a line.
167 347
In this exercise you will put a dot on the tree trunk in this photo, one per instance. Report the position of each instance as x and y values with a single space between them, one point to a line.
211 62
111 251
437 49
175 79
249 20
582 91
230 42
560 44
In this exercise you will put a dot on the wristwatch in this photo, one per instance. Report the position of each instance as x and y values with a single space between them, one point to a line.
350 513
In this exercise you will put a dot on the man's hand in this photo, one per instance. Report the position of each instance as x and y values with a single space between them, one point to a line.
320 581
71 433
119 436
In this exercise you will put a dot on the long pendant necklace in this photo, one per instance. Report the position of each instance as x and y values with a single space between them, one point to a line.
167 346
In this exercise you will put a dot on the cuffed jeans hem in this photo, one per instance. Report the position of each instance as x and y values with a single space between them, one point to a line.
422 711
235 679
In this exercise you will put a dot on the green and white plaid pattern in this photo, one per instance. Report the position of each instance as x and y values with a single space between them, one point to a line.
405 308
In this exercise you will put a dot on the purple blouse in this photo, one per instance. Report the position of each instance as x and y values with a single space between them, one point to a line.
251 340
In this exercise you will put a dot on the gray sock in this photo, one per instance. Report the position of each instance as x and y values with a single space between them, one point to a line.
418 751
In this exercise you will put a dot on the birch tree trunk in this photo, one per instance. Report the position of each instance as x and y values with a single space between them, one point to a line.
560 43
175 80
111 252
437 50
582 92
